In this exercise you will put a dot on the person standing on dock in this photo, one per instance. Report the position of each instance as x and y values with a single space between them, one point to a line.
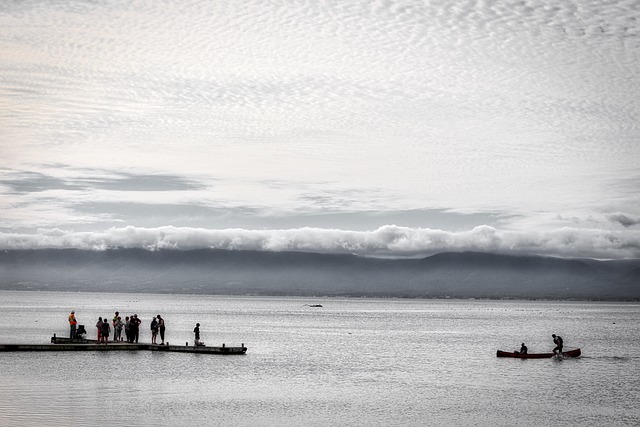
73 322
113 322
154 331
99 327
161 327
196 331
135 328
106 329
127 328
118 329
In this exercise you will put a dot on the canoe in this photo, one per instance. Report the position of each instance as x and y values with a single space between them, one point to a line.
570 353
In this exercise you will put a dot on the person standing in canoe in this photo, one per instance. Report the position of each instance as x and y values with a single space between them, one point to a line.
557 340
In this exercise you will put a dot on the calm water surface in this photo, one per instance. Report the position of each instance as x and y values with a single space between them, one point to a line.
356 362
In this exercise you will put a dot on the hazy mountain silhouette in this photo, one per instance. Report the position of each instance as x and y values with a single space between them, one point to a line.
456 275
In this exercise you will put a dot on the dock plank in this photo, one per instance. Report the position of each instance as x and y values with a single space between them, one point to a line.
67 344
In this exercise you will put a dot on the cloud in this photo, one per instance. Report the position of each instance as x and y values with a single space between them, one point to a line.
33 182
387 241
524 113
624 220
29 182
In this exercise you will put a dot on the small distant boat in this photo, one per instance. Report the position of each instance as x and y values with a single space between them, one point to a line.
570 353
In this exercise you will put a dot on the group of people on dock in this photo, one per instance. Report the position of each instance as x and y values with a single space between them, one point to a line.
130 325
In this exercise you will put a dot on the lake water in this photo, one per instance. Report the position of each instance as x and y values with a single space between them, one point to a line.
352 362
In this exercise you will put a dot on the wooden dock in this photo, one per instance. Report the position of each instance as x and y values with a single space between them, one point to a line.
79 344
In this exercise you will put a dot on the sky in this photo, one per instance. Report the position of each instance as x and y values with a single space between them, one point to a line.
381 128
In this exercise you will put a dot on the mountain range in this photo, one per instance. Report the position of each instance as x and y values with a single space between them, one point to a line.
210 271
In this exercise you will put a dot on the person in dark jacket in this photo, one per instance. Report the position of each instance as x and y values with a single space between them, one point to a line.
196 341
523 349
557 340
161 327
135 328
106 329
196 331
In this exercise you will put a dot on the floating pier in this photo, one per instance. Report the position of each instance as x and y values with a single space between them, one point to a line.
81 344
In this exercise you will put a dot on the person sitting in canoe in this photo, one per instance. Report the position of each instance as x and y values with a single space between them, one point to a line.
523 349
557 340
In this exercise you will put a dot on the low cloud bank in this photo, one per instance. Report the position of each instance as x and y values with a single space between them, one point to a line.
389 241
625 220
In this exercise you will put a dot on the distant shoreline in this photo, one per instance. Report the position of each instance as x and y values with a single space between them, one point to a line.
218 272
328 297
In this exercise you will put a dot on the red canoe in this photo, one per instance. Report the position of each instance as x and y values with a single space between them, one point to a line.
570 353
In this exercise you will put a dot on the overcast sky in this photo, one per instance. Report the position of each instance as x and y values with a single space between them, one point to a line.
373 127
